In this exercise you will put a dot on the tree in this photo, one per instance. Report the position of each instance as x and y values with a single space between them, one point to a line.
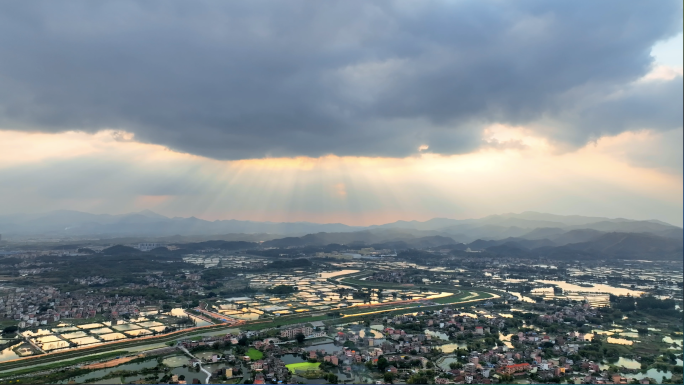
10 329
388 377
300 337
282 290
419 378
243 341
382 363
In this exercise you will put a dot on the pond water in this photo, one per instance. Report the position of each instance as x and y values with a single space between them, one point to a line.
85 341
244 316
626 362
175 361
138 332
330 274
671 340
91 326
596 288
113 381
192 373
302 380
200 322
464 314
48 339
443 363
112 336
329 347
450 348
65 329
373 333
437 334
9 354
522 298
207 354
125 327
651 373
74 335
291 359
506 339
55 345
619 341
150 324
39 332
102 331
103 372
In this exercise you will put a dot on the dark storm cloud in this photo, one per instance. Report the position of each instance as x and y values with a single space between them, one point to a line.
250 79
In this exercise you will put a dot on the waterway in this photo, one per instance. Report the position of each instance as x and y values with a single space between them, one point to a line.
151 363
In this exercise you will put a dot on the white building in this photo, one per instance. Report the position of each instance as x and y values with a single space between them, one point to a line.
148 246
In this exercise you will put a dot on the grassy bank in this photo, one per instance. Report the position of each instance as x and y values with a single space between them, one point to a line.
62 364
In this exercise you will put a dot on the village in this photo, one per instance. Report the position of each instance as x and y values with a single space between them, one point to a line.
445 346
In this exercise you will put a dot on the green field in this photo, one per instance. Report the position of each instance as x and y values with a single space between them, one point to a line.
254 354
303 366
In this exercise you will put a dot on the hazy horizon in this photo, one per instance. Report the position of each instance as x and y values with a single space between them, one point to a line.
144 211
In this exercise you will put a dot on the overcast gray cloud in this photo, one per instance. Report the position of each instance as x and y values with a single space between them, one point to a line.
234 80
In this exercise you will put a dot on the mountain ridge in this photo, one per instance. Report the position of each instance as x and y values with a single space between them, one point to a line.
146 223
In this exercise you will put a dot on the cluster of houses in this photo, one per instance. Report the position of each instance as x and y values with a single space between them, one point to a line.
95 280
44 304
396 276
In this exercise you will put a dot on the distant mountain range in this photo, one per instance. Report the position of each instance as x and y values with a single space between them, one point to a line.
64 223
531 226
525 234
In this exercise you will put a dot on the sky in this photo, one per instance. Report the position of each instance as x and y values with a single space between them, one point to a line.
353 112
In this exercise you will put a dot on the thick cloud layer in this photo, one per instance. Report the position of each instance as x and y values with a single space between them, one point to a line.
233 80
